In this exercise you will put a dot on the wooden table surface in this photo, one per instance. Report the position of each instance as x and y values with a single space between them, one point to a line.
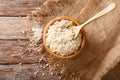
16 62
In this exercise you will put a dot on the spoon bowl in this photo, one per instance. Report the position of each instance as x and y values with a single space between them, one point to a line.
76 24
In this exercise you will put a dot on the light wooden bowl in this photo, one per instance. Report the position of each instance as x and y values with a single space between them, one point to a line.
76 23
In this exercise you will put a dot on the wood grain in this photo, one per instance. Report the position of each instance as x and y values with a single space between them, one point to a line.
12 27
18 7
26 72
14 52
17 60
14 44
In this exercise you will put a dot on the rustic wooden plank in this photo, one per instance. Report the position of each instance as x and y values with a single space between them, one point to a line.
14 52
14 45
18 7
26 72
12 27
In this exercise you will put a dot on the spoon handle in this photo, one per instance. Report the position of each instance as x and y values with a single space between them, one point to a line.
101 13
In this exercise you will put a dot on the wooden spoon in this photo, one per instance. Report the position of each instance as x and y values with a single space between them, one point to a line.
77 29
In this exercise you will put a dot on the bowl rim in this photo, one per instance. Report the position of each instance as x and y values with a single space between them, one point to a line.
73 54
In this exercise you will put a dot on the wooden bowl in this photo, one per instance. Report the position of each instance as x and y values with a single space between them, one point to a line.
73 54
